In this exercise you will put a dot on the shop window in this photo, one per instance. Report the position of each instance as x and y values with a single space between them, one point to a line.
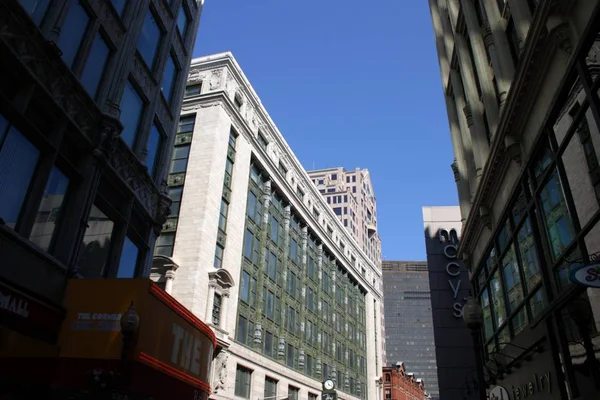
529 255
512 280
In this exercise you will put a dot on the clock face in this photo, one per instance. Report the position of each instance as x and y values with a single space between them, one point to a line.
328 384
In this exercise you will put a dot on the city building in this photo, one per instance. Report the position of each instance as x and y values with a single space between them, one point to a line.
408 319
449 288
89 98
291 296
351 196
401 385
520 80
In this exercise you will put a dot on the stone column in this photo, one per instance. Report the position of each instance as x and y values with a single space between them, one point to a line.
473 108
521 15
262 262
495 40
169 278
484 72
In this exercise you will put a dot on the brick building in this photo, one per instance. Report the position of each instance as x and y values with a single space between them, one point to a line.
401 385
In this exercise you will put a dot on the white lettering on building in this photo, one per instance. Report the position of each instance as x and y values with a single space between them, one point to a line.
14 305
186 350
452 267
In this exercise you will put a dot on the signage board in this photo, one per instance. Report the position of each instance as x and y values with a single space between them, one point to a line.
586 275
169 337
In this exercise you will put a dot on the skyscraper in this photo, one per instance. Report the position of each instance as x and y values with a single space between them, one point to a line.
351 196
89 99
408 320
252 247
520 80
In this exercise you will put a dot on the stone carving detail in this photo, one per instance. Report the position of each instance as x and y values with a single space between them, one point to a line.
140 73
562 35
176 179
258 334
110 131
487 35
170 225
199 106
220 371
468 114
455 171
215 79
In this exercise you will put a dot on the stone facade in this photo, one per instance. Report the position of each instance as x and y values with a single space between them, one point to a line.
248 220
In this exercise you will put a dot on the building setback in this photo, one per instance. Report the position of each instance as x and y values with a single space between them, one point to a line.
251 246
89 98
408 320
520 80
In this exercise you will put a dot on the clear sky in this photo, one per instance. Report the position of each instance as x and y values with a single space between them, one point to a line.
350 83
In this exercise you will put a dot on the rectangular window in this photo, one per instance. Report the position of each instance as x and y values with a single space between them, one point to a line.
164 244
119 5
129 259
334 177
152 149
559 228
270 388
193 90
49 209
175 194
331 190
132 107
149 39
245 287
180 159
216 311
35 8
218 261
248 241
95 244
293 393
262 142
94 66
186 124
245 331
291 284
268 345
72 32
242 382
223 215
337 210
169 77
282 169
272 266
290 356
291 320
312 396
354 178
309 299
274 230
182 21
293 250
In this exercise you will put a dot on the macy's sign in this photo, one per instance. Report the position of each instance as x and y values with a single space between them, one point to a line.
450 238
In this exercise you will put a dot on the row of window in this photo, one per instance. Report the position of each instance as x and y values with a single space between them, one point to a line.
243 386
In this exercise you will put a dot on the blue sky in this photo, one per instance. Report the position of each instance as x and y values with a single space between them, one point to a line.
350 83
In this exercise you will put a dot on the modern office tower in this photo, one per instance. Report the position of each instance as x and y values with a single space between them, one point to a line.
89 98
520 80
351 196
290 294
408 320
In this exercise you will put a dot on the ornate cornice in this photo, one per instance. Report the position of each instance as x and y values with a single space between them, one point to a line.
535 60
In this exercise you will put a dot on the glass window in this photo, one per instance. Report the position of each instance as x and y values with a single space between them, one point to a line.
16 154
95 244
270 387
248 240
529 255
169 77
216 311
512 279
94 66
128 262
182 21
272 266
218 261
149 40
251 205
164 244
293 393
537 303
497 299
35 8
72 32
488 323
154 143
49 209
223 215
193 90
186 124
559 228
245 287
242 382
262 141
180 159
119 5
132 106
175 194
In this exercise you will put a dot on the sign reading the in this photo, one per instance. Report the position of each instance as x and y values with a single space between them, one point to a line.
586 275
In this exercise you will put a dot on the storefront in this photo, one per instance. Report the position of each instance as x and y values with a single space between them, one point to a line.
121 336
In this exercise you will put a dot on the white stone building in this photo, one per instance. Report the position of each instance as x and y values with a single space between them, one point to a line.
260 256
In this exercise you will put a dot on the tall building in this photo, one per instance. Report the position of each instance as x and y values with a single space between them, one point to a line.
520 80
351 196
449 287
252 246
89 98
408 320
